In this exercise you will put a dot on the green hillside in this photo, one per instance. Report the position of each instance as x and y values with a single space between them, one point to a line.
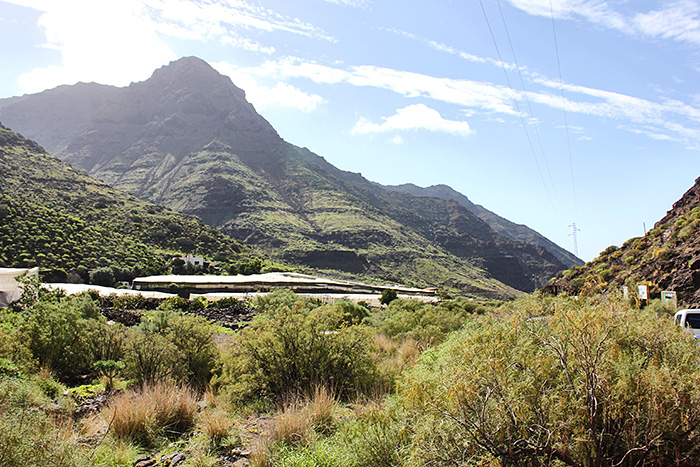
56 217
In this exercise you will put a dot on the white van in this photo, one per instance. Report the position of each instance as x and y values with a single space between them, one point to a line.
689 319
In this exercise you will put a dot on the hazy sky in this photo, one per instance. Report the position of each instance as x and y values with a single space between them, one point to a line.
547 112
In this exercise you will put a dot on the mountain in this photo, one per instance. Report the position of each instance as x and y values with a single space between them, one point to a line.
517 232
667 258
56 217
187 139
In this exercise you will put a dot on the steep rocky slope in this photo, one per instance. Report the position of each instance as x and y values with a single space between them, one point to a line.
667 257
186 138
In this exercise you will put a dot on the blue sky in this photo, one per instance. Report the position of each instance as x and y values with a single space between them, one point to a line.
548 113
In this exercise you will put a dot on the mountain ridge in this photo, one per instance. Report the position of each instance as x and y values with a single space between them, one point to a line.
186 138
518 232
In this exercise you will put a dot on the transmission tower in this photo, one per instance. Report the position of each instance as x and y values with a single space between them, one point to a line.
573 234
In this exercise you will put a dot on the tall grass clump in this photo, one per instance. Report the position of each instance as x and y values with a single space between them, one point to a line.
155 411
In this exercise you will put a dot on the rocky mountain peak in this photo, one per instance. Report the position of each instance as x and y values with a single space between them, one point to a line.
196 75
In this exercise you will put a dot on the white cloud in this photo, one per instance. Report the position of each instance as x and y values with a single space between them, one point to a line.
595 11
667 116
106 42
351 3
119 41
397 139
413 117
473 94
281 95
679 21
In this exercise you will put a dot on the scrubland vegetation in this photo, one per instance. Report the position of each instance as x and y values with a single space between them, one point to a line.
538 381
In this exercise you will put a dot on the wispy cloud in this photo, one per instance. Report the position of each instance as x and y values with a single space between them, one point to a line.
672 118
413 117
281 95
676 20
351 3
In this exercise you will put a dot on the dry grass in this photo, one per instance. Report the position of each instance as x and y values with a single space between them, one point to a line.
300 421
322 410
292 427
395 356
156 410
216 426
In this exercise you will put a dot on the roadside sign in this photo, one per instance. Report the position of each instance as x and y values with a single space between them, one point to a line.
668 297
643 292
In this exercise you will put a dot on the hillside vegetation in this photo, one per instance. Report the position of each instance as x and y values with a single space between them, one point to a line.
666 258
59 218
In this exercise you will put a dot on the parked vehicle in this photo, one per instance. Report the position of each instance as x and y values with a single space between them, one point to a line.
689 318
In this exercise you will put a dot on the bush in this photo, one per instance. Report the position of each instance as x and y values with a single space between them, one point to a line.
388 295
28 435
151 357
194 353
593 384
62 335
427 324
295 350
102 276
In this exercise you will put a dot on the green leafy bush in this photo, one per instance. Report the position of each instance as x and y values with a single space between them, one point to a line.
425 323
28 435
181 347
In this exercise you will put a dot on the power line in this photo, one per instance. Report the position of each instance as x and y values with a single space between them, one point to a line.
517 107
529 106
566 120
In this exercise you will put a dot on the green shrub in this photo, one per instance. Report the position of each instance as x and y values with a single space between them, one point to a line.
28 435
152 357
425 323
60 334
294 350
594 384
102 276
388 295
192 337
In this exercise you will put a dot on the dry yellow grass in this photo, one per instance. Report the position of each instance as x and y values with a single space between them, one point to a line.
153 411
216 425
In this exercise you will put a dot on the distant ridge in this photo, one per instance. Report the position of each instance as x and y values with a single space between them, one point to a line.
518 232
187 139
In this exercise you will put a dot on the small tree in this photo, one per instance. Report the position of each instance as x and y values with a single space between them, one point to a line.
388 295
102 276
110 370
